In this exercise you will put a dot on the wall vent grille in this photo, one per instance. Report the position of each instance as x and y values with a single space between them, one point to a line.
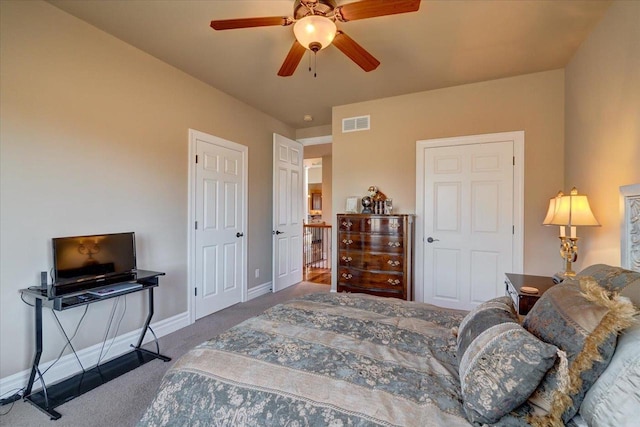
354 124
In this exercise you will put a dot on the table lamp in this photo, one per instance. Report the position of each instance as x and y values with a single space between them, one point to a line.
573 211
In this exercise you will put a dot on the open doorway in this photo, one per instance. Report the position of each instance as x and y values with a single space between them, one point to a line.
317 247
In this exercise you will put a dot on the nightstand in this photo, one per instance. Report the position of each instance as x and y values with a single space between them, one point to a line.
523 301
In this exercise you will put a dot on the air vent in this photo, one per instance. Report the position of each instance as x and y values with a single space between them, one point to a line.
354 124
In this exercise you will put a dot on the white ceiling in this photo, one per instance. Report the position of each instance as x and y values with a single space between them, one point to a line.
445 43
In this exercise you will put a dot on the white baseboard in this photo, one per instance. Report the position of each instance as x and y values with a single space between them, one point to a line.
68 365
256 291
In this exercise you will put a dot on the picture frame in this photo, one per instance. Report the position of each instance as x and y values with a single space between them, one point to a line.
352 205
630 227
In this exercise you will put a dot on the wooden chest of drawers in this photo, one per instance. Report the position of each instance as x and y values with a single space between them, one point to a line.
375 254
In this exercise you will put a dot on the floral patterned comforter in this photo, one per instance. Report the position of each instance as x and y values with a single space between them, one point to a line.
323 359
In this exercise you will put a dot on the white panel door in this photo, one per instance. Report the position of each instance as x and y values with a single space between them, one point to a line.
288 212
467 222
220 181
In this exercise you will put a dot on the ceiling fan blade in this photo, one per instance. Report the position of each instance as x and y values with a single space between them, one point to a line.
371 8
231 24
292 60
355 52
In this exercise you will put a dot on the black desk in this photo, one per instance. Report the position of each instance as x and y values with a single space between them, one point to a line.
52 396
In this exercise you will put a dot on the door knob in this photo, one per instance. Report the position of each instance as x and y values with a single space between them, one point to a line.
239 234
279 232
431 239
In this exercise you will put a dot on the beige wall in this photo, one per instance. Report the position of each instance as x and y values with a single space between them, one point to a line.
313 132
317 150
385 155
602 92
327 188
94 139
314 177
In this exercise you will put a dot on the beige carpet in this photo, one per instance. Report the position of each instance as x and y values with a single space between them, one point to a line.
122 401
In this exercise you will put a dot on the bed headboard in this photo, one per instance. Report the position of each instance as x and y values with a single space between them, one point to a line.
630 235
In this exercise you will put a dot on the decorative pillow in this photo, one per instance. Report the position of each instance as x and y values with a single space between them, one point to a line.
500 369
489 313
582 319
616 279
611 278
614 399
500 364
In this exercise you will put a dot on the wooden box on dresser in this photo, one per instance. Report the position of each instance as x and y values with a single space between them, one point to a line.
375 254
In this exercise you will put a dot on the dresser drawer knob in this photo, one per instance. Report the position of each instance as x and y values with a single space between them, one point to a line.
347 258
394 224
393 263
347 276
347 242
394 244
394 281
347 224
369 221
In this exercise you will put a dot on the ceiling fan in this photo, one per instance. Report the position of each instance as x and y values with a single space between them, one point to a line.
314 27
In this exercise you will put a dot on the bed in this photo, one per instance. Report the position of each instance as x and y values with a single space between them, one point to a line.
340 359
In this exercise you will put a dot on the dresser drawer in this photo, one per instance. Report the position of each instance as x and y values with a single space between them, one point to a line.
386 225
371 261
370 279
381 284
522 303
513 293
370 242
381 292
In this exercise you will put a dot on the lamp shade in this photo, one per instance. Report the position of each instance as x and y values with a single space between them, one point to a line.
573 210
553 207
315 32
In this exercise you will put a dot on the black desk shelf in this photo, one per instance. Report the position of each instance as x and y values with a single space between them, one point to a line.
52 396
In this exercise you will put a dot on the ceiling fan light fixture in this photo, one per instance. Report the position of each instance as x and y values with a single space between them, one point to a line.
315 32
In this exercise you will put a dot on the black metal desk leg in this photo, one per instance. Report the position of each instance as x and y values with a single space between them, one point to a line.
45 406
36 356
148 321
144 331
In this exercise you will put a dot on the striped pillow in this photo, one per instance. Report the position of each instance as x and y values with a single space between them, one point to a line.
489 313
500 363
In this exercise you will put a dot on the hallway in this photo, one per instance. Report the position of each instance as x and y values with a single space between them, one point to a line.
317 275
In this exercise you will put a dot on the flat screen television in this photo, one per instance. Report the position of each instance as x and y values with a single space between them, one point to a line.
84 262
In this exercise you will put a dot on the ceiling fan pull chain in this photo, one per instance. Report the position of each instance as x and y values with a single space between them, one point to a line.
309 56
315 64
